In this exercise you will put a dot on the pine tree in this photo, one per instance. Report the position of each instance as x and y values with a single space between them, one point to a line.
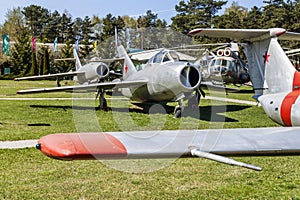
36 18
195 14
41 60
86 28
46 61
21 52
34 70
66 52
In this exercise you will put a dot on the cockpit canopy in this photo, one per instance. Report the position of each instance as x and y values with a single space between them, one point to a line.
165 56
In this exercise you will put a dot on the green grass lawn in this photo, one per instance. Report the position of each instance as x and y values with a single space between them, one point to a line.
28 174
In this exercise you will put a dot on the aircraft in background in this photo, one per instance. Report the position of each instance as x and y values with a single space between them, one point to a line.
224 67
164 78
275 80
92 72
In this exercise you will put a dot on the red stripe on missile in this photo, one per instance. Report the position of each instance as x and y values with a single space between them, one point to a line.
289 100
286 108
296 81
82 146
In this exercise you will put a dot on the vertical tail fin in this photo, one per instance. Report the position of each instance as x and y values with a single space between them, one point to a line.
128 67
254 53
279 71
270 69
77 61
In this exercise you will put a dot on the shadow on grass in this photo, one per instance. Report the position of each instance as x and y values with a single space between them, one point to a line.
243 92
214 113
207 113
137 107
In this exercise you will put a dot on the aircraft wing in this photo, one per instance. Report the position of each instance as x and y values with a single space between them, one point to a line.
49 76
246 34
209 144
105 85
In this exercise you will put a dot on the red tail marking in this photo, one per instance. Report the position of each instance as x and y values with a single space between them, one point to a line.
266 57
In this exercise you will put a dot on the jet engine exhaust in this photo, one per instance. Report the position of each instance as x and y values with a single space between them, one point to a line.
190 77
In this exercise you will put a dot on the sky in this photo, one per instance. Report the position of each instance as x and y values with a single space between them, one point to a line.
101 8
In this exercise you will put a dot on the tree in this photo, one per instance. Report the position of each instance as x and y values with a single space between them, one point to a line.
272 15
194 14
109 25
87 38
46 61
254 18
36 18
14 20
66 52
151 20
21 52
41 60
233 17
34 70
65 28
130 22
51 28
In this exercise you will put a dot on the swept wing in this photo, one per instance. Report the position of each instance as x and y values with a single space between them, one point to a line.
105 85
75 73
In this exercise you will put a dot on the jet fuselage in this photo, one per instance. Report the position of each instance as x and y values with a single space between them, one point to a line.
166 82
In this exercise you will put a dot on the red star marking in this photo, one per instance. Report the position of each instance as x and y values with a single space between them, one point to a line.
266 57
126 69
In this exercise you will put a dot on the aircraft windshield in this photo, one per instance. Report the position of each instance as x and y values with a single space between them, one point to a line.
222 65
164 56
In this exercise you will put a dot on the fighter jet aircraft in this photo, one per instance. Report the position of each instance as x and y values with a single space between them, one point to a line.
279 98
164 78
276 81
92 72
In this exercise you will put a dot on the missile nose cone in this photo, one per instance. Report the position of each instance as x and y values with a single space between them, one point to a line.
38 146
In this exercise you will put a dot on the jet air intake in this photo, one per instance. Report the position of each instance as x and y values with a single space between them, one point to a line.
102 70
190 77
93 71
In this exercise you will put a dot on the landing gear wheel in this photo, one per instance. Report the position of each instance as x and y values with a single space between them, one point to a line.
102 101
103 105
177 112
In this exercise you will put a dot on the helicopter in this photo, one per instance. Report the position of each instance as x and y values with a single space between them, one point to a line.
224 67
